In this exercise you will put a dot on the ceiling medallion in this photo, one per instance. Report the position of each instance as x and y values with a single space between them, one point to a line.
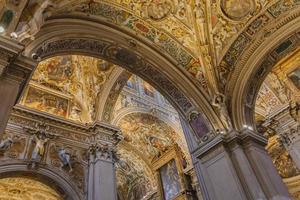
159 9
237 9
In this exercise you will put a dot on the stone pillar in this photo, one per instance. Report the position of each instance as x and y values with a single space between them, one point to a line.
102 177
15 71
237 167
101 181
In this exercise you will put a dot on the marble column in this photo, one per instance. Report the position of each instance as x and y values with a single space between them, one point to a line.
101 181
235 166
15 72
102 177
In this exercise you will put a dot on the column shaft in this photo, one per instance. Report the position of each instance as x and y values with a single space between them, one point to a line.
101 177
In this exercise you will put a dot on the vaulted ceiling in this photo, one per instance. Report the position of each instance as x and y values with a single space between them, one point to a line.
70 86
196 33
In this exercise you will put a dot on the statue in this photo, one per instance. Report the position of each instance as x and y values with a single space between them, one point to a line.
65 159
6 144
39 148
33 26
220 103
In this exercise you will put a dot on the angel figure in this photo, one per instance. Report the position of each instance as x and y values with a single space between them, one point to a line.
220 103
65 158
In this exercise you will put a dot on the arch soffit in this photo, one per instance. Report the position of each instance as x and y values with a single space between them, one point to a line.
44 174
255 56
131 110
110 96
113 87
65 36
127 111
133 150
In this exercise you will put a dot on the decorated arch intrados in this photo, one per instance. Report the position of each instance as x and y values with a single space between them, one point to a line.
284 47
66 36
59 183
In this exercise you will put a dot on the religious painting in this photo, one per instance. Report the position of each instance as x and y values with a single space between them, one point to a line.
170 180
148 134
199 125
148 89
294 76
43 101
54 72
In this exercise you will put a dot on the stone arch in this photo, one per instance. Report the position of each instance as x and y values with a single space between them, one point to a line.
66 36
252 56
127 111
114 88
44 174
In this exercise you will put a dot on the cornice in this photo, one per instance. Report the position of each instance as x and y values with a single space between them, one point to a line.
84 134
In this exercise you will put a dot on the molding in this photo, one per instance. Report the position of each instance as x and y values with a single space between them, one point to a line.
46 174
61 36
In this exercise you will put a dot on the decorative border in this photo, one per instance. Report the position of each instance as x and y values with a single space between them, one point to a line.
122 57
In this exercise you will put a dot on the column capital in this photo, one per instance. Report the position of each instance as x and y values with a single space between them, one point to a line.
105 133
231 138
9 51
102 152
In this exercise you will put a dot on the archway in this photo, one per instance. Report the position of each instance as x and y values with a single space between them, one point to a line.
59 186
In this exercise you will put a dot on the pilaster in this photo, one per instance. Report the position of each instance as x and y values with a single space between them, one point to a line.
236 166
15 72
102 156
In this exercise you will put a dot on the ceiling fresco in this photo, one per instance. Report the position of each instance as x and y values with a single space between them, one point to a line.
195 33
135 178
20 188
150 136
68 86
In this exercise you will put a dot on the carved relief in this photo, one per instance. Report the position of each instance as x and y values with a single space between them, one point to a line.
237 9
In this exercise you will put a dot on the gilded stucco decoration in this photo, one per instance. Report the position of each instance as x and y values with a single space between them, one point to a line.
135 179
169 28
68 86
237 9
21 188
281 158
251 32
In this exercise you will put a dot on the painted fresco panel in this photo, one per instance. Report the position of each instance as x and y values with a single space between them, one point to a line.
47 102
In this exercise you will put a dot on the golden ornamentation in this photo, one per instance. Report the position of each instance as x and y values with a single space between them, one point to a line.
20 188
68 86
237 9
